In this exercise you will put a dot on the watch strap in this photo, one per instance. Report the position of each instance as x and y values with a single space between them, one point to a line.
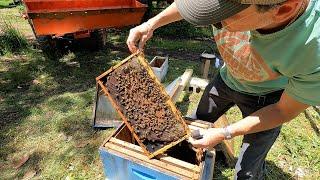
227 133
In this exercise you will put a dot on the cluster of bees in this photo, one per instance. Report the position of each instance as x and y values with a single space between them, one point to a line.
141 101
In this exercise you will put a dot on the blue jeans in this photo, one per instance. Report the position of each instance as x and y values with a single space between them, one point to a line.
219 98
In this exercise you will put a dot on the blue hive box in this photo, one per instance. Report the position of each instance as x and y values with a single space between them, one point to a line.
123 159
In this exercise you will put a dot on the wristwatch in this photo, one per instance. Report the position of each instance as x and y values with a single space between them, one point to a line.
227 133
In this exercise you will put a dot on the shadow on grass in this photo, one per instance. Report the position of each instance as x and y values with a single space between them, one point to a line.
275 172
222 172
31 81
59 93
42 96
6 6
312 122
184 104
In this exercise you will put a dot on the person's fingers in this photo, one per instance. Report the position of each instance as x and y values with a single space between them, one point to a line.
131 45
133 48
145 38
132 39
201 143
143 41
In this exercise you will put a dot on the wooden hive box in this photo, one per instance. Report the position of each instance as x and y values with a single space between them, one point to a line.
122 158
144 105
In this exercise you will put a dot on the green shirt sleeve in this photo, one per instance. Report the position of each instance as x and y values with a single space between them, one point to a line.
305 88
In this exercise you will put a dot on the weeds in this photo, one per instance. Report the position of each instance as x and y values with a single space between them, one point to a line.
11 40
183 30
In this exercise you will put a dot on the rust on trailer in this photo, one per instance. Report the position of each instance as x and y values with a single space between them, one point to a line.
152 142
59 17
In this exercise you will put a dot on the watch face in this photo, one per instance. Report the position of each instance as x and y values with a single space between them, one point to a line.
227 133
228 137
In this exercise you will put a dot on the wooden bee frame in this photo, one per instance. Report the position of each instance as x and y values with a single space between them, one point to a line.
176 113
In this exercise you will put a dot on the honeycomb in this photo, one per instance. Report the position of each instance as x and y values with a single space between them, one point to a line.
141 101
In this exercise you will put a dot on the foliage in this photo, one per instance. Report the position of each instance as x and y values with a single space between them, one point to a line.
11 40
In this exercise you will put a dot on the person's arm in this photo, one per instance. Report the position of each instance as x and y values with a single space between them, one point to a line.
269 117
144 32
266 118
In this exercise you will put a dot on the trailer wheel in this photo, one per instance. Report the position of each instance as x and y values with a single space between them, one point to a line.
99 38
51 47
144 1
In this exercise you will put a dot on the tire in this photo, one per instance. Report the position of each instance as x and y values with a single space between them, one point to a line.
99 38
96 41
16 2
51 47
144 1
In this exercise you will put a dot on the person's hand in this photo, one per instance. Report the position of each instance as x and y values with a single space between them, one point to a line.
139 34
211 137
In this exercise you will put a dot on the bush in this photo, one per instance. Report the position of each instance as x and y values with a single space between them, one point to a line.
11 40
183 29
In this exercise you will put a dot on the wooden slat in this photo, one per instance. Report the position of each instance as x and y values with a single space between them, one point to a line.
166 159
173 89
180 163
130 146
155 162
125 135
114 133
185 80
227 145
117 65
206 69
198 124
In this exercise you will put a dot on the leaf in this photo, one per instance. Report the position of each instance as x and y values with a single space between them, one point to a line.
81 144
21 161
29 174
35 82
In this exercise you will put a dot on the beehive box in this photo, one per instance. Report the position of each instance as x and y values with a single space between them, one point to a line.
144 105
160 66
122 158
104 114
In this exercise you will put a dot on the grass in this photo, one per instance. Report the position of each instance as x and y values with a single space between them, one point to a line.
13 16
183 29
46 108
5 3
11 40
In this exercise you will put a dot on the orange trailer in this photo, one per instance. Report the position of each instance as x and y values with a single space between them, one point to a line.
79 17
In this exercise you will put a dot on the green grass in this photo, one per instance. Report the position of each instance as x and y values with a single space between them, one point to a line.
5 3
13 16
181 45
46 110
11 39
183 29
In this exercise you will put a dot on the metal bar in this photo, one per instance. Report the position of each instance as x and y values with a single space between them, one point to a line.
59 15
